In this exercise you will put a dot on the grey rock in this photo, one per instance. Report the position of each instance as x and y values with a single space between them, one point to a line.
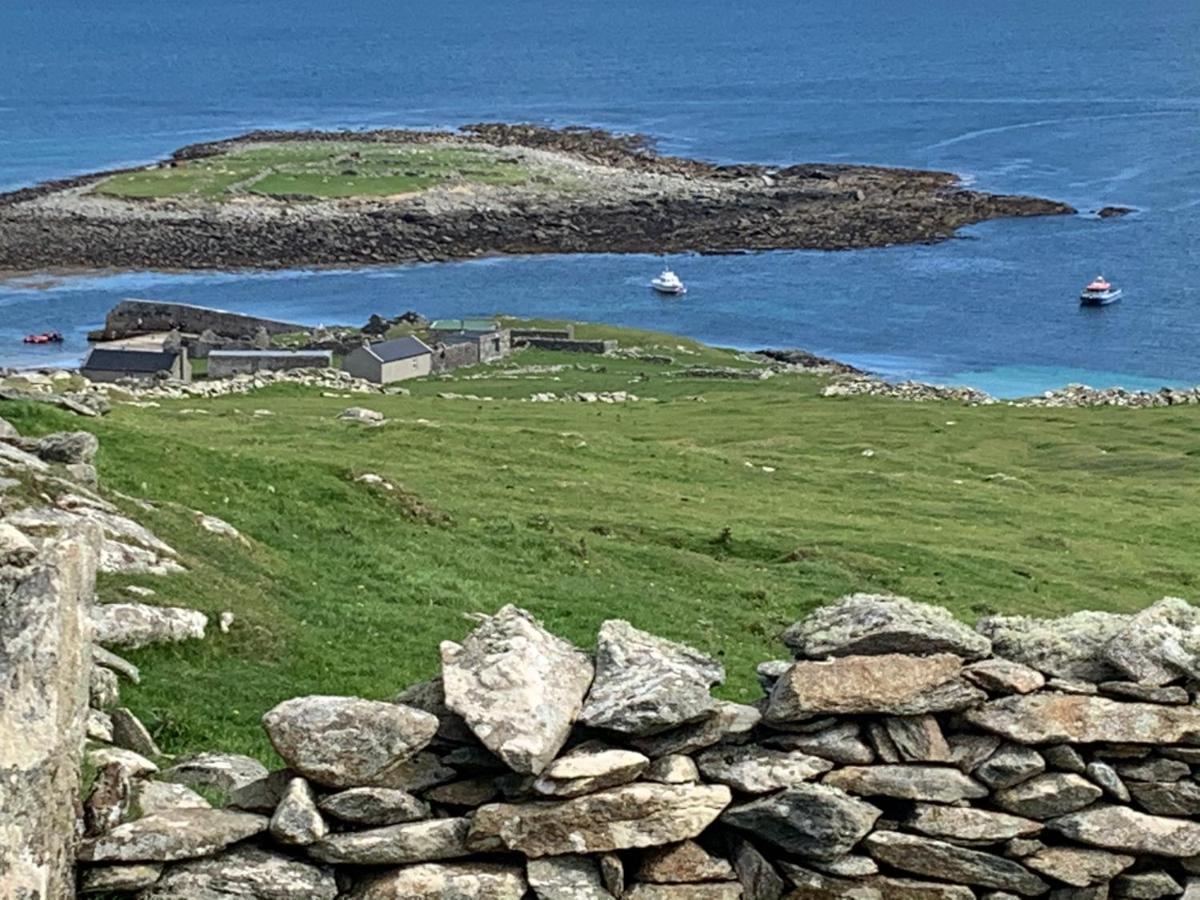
172 834
851 865
103 689
297 821
134 763
612 873
1154 769
727 723
158 796
517 686
675 768
119 879
99 726
15 548
710 891
110 660
907 782
1009 766
1106 776
969 751
1073 646
68 447
221 771
589 768
244 873
14 458
423 771
1071 686
1049 795
263 794
1127 831
136 625
939 859
813 820
768 672
444 881
646 685
430 696
1172 695
1065 758
758 770
346 741
8 430
109 800
968 824
1003 676
683 863
840 743
568 877
876 624
633 815
470 792
1178 798
881 743
1146 886
1065 718
130 733
917 738
758 878
374 806
393 845
886 684
1077 866
1190 755
360 415
1158 645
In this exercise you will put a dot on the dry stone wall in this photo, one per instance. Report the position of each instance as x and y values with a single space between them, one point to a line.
897 753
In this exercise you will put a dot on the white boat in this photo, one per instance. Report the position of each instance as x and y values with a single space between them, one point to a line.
668 283
1099 293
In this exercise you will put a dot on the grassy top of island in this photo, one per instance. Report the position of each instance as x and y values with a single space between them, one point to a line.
713 511
315 170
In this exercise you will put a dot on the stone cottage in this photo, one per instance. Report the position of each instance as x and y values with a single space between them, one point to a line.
113 365
387 361
227 363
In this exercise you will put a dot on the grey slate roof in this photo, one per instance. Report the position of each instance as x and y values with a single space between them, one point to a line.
399 348
141 361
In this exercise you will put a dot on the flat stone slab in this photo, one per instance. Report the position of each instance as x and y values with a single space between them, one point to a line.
1050 718
873 624
1125 830
1072 647
222 771
813 820
518 687
1078 866
890 684
244 872
968 824
939 859
620 818
136 625
589 768
344 742
374 806
759 770
412 842
568 877
173 834
449 881
907 782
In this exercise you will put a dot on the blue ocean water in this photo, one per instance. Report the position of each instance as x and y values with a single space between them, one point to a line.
1094 104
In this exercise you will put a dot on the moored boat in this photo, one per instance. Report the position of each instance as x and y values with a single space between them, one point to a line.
1099 292
668 283
46 337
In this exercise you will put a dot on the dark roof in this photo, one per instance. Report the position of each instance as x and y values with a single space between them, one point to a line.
399 348
147 361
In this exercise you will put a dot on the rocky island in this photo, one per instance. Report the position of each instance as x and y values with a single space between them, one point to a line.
272 199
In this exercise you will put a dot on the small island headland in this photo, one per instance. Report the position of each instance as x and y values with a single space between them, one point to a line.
282 199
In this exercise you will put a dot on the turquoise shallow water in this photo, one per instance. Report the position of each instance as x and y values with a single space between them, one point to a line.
1014 100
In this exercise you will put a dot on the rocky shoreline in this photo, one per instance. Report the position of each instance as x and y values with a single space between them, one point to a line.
625 199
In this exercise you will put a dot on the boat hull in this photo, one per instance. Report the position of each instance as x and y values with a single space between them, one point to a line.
1099 298
672 291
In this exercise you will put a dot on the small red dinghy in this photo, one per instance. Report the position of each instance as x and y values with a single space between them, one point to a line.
46 337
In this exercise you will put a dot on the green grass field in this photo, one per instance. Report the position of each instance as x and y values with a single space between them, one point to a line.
716 522
316 169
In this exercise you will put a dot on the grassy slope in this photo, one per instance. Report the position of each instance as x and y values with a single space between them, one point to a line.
582 512
316 169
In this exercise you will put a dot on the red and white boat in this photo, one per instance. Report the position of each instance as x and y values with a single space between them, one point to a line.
1099 292
46 337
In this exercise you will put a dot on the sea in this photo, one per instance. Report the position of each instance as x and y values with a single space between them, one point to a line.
1094 103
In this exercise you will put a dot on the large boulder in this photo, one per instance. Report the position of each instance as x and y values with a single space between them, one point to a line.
1051 718
1127 831
888 684
1158 645
620 818
874 624
519 687
444 881
1073 646
646 684
938 859
244 873
173 834
346 742
812 820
